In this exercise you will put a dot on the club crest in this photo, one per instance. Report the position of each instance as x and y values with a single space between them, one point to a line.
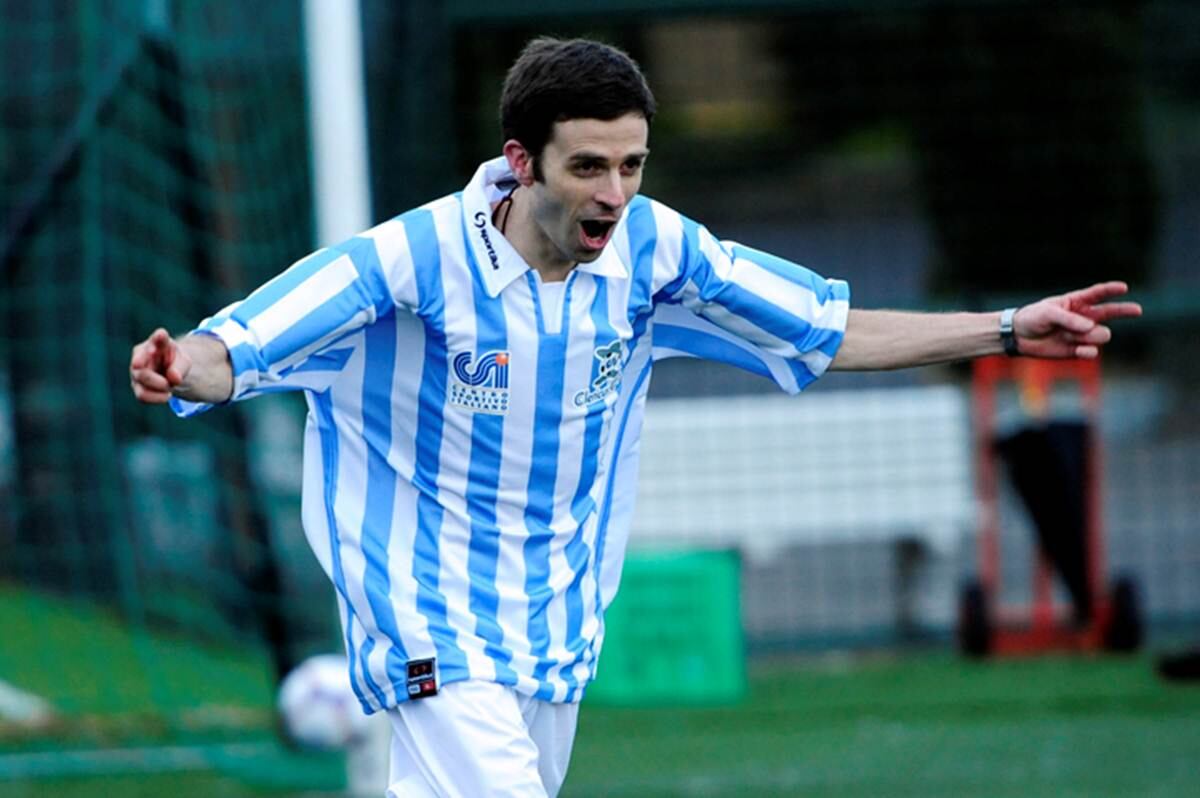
608 374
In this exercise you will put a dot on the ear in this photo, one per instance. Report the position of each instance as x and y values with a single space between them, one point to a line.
520 161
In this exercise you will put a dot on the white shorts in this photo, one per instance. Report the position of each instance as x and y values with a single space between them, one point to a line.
477 739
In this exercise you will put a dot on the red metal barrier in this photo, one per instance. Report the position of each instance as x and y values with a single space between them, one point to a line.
1042 624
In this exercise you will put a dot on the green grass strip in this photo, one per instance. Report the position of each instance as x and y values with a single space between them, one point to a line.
84 659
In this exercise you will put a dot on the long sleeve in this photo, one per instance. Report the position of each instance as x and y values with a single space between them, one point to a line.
778 307
291 333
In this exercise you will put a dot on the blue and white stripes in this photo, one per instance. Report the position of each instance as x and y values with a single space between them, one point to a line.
479 514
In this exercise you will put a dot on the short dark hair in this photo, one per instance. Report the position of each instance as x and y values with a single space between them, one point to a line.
555 79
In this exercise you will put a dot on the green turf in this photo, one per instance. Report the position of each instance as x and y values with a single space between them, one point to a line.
87 662
916 725
175 785
241 768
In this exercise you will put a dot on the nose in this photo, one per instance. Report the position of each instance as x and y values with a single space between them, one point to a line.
610 194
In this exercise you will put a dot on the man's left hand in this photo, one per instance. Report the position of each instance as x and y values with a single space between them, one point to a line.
1072 324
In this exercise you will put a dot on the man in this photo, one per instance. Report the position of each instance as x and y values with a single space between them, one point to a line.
475 371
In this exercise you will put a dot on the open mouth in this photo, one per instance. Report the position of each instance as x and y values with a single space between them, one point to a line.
595 232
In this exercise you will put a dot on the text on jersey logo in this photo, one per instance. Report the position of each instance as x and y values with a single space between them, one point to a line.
608 374
480 385
481 225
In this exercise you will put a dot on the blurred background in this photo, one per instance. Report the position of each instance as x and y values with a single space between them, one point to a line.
156 164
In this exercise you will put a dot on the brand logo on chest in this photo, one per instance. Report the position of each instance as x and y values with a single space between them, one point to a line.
480 385
481 226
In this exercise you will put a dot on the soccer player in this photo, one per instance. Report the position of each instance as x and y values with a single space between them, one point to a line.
475 371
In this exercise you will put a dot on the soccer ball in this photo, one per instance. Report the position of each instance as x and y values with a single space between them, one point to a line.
318 707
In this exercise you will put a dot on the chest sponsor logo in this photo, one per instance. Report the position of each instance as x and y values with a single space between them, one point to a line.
480 384
608 374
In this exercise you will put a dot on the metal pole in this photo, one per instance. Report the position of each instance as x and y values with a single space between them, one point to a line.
337 118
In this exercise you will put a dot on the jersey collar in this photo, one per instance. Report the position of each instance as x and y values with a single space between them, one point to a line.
497 260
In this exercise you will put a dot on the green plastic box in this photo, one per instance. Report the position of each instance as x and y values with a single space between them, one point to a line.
674 632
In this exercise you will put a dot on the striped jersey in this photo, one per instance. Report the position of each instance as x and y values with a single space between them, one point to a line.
471 447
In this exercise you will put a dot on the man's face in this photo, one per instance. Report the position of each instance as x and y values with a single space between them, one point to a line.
589 170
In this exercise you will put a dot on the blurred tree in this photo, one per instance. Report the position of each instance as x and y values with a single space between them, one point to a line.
1027 119
1035 160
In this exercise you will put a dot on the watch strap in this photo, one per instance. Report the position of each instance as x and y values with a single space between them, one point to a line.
1007 336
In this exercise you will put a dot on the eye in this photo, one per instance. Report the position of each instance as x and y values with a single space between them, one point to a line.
631 167
588 168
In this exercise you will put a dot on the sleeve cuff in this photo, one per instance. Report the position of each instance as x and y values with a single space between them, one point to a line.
243 359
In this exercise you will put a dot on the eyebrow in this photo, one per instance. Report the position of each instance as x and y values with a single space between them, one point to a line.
585 157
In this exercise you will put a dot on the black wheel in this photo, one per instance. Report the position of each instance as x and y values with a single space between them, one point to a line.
1124 632
1180 666
974 623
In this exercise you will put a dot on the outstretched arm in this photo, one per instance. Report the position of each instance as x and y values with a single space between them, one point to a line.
1068 325
195 368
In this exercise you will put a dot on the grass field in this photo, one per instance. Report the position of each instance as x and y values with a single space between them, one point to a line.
87 661
927 725
913 725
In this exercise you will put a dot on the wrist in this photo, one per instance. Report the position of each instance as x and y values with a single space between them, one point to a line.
205 368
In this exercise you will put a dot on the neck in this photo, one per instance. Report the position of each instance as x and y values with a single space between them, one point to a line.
518 225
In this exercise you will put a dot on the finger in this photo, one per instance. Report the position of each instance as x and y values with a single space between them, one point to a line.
1113 310
1069 320
151 380
147 352
1098 292
1097 335
1050 347
164 347
160 338
148 396
1065 344
139 357
144 354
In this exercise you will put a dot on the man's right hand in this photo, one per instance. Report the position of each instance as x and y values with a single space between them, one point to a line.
157 365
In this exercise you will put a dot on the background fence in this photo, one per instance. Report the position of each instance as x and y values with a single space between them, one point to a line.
154 167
